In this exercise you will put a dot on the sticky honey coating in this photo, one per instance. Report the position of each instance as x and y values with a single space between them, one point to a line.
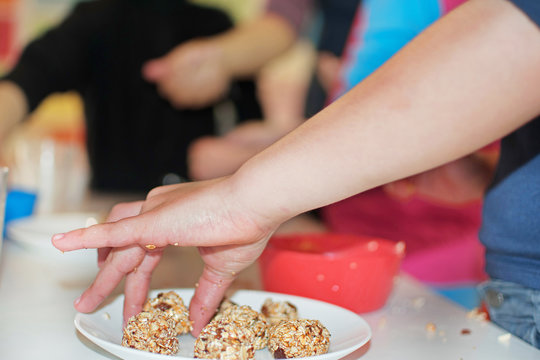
245 316
225 339
298 338
276 311
173 306
151 331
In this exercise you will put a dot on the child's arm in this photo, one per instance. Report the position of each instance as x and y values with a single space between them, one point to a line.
439 101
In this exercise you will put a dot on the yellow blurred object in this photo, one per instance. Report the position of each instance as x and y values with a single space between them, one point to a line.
59 115
238 10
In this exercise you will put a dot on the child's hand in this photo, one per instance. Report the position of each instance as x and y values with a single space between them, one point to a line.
192 75
204 214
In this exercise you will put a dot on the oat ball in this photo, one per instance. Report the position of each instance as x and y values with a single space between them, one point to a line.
225 340
298 338
224 305
245 316
151 331
172 305
275 311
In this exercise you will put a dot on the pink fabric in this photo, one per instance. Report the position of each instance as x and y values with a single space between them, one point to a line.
449 5
442 243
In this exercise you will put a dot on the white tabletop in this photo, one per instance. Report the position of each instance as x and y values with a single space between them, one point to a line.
36 314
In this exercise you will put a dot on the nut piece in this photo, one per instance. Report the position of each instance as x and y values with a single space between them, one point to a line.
173 306
151 331
298 338
225 340
245 316
275 311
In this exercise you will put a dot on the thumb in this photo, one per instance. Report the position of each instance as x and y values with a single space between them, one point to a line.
154 69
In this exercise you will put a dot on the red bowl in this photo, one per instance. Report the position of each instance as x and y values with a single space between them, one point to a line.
351 271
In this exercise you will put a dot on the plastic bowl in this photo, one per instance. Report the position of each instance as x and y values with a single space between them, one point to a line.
351 271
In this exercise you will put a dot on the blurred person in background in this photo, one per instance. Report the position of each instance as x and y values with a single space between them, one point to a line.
436 213
201 70
135 139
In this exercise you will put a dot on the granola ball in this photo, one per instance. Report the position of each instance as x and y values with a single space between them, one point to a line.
298 338
224 305
275 311
173 306
151 331
245 316
225 340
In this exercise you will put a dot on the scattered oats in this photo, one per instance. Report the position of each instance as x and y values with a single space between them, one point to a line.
150 246
245 316
225 340
400 247
151 331
430 327
275 311
465 331
373 245
504 339
173 306
175 244
106 316
477 314
382 322
419 302
298 338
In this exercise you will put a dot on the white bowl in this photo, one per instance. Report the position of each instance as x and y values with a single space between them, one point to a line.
34 234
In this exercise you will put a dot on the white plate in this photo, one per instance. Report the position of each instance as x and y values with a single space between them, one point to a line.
348 330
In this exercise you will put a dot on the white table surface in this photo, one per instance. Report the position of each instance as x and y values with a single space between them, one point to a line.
36 313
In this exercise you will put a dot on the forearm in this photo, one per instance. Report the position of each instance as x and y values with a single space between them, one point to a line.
13 107
265 38
468 80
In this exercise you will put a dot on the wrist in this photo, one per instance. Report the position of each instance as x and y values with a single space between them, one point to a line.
259 198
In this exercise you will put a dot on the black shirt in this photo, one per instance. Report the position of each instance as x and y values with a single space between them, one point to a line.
134 137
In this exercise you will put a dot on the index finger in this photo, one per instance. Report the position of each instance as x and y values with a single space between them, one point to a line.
118 234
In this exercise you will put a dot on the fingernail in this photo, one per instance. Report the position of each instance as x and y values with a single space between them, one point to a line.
58 237
77 301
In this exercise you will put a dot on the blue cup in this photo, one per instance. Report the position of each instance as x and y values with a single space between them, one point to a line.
19 204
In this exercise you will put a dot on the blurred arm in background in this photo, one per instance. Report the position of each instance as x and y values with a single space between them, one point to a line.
199 72
13 107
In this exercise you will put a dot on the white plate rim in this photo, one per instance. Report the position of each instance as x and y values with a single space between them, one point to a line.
104 344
